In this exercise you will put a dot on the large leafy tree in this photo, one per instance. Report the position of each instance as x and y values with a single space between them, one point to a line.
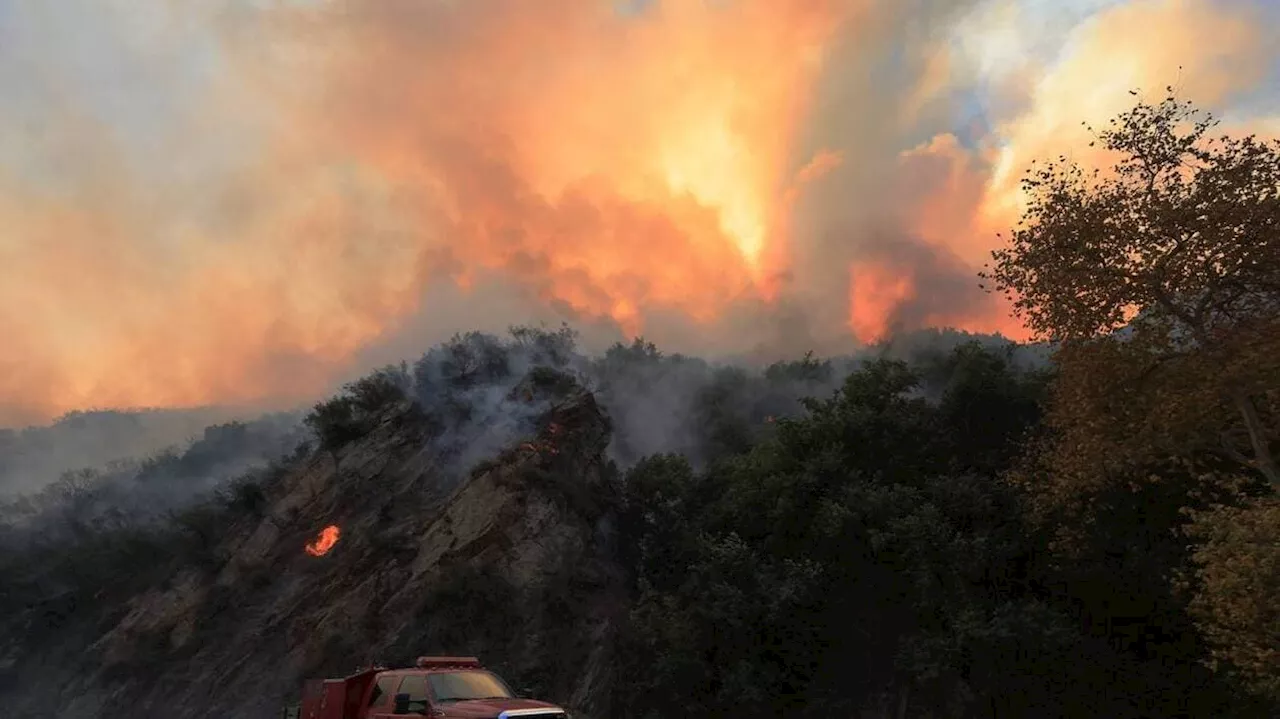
1179 246
1160 280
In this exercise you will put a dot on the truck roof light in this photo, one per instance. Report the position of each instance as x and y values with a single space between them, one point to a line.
443 662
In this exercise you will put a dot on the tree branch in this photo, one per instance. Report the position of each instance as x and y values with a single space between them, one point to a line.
1233 453
1262 461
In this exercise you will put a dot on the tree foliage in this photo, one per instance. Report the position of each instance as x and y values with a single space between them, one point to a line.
1237 568
1179 245
1181 231
855 554
1160 280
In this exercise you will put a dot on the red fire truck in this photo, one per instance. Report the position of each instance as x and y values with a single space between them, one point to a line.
435 687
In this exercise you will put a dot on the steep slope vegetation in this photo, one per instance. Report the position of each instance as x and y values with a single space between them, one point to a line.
514 564
112 441
861 553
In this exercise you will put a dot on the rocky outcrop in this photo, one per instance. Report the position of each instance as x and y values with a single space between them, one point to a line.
511 561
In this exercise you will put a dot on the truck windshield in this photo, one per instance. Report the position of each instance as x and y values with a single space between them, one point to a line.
461 686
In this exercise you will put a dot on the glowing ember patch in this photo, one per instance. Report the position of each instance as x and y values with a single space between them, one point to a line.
328 537
540 448
875 295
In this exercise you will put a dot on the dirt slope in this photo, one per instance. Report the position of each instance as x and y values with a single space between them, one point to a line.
512 562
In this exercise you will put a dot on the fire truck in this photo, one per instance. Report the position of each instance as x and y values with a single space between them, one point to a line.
434 687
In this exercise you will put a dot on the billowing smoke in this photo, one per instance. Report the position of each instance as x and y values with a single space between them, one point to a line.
465 400
246 202
144 488
32 457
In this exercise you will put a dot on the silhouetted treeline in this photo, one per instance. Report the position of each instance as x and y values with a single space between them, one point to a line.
32 457
902 539
919 539
876 551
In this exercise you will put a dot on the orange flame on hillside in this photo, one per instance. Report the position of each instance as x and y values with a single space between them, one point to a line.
544 444
328 537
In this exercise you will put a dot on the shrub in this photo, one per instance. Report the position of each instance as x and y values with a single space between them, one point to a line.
244 496
334 422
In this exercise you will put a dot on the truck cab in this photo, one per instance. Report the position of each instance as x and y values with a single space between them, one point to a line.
444 687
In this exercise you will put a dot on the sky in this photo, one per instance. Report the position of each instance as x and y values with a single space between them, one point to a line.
248 202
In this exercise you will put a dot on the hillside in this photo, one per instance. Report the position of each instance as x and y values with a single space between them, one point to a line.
31 457
637 535
514 565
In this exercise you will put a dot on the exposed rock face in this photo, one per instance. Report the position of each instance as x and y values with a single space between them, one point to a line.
512 563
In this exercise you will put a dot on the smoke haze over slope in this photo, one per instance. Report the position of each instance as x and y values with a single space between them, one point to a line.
35 456
657 403
246 202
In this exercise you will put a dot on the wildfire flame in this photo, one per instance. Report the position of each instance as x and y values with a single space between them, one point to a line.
328 537
540 448
547 445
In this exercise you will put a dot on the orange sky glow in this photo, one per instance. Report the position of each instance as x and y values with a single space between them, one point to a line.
320 168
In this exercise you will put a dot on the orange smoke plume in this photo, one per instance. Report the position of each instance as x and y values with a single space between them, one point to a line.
887 296
617 164
325 542
318 170
609 165
875 293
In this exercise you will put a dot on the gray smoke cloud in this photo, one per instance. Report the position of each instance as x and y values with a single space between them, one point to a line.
360 180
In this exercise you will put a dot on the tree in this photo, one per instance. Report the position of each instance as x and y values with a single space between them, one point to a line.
1237 567
857 558
1179 246
1160 280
